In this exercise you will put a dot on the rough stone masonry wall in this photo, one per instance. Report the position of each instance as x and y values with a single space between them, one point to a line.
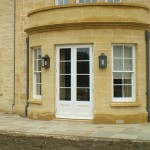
7 49
6 55
22 8
35 111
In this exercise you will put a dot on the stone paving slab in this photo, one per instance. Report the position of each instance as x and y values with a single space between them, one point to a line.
11 123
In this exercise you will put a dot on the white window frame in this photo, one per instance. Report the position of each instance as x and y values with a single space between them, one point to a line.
77 1
56 2
124 99
35 95
113 1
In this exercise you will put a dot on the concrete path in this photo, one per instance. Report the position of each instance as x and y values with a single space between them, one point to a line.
10 123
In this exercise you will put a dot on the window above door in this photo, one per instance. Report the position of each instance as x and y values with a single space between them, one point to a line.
87 1
61 2
94 1
113 1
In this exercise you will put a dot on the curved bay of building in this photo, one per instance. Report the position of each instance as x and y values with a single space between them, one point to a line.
80 83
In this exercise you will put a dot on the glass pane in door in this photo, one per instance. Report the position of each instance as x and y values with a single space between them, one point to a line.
65 80
83 94
83 80
65 67
83 67
65 94
65 54
82 54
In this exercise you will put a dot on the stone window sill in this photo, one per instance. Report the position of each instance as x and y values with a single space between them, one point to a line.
128 104
35 101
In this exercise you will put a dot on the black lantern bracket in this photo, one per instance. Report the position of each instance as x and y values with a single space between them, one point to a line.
102 61
46 62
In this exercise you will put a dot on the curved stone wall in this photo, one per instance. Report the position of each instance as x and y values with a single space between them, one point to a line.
94 14
101 25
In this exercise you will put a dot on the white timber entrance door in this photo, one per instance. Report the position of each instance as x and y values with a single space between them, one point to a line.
74 82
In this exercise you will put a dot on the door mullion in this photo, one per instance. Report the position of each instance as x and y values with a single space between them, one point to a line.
73 76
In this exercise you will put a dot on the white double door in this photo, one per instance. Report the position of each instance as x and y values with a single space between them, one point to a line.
74 82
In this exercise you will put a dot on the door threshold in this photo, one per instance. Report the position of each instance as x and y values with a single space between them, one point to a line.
74 120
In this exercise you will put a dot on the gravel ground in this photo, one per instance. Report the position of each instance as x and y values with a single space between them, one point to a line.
23 142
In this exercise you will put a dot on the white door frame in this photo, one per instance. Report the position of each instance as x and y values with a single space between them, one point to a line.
73 109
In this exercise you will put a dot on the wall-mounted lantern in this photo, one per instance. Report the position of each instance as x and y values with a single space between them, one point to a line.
102 61
46 61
